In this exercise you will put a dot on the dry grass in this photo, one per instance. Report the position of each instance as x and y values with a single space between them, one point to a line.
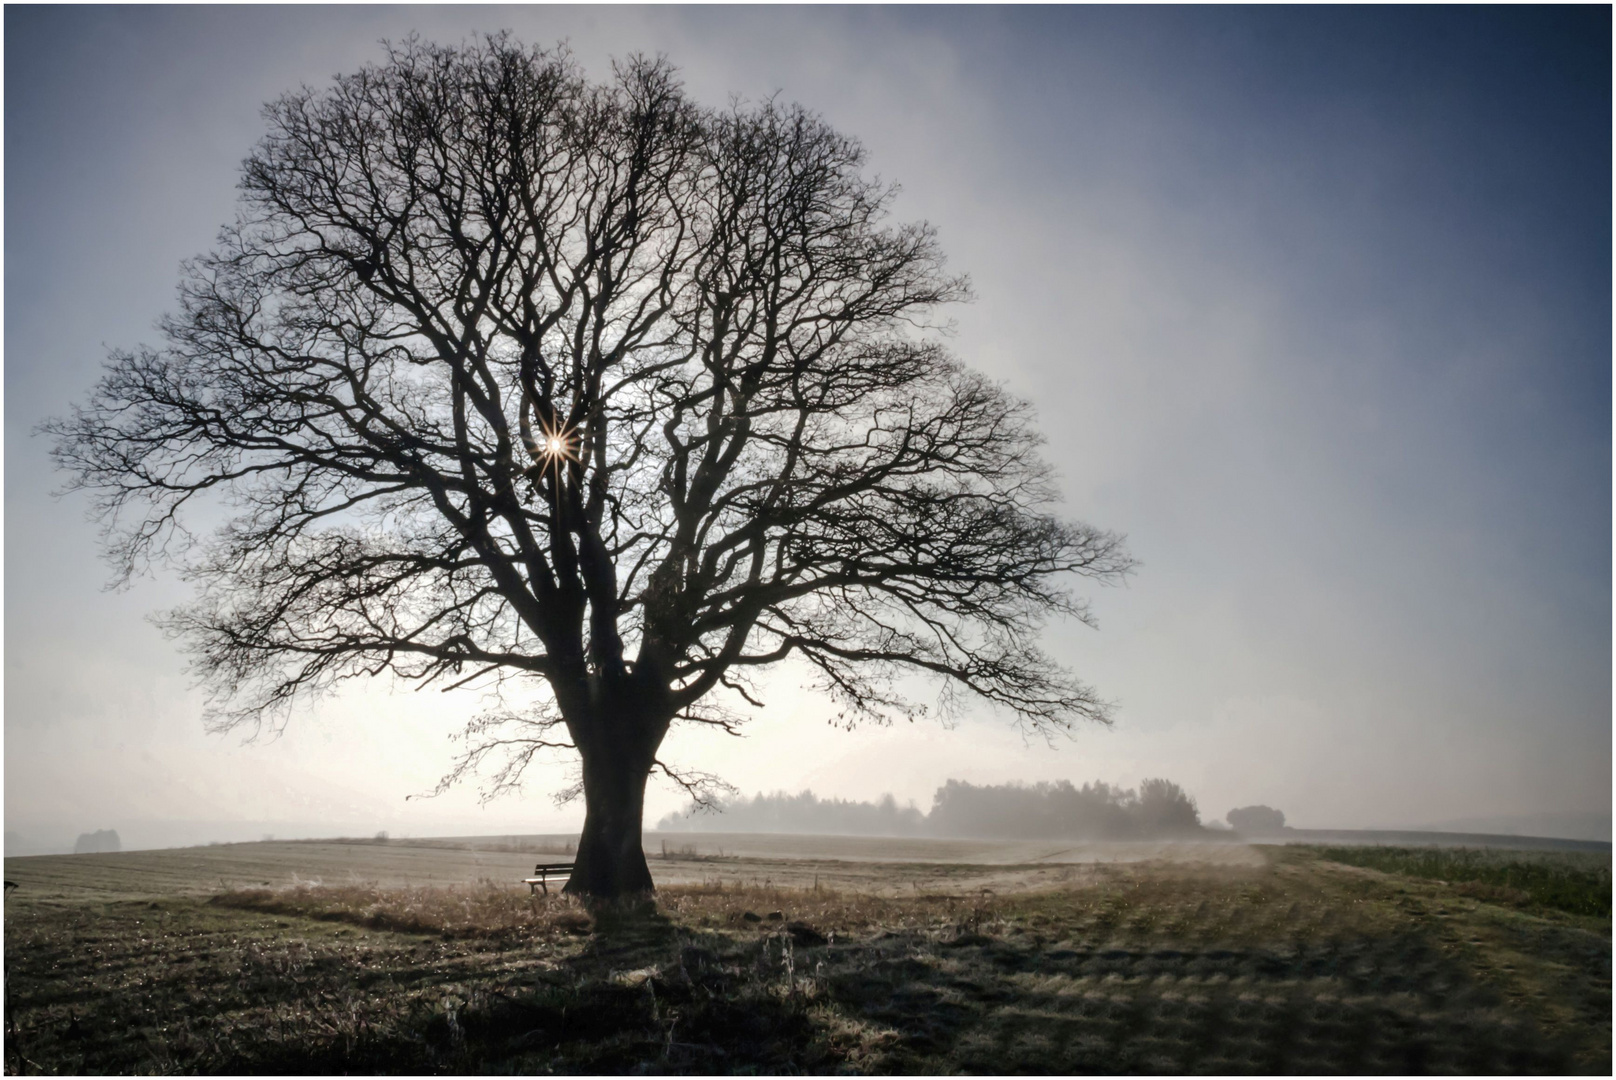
1302 966
485 910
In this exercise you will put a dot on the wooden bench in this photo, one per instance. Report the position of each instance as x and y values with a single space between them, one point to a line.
542 873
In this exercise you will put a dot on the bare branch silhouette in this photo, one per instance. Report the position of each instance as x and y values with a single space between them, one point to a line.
734 441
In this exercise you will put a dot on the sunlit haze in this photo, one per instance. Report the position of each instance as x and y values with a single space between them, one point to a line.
1314 305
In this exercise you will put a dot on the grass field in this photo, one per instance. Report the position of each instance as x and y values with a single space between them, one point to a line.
1564 881
422 957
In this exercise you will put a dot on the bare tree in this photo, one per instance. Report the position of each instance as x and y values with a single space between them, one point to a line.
503 374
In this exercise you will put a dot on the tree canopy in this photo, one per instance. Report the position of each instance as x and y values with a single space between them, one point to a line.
504 374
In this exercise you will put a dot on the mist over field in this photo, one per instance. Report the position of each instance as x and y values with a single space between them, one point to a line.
1312 304
1045 809
892 540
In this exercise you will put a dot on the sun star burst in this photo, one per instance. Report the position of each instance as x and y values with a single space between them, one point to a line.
557 445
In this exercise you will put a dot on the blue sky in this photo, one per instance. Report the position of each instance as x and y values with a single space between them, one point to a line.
1314 305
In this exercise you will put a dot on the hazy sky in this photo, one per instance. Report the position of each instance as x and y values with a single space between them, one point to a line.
1314 305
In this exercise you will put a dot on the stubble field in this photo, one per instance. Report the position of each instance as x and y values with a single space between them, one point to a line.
808 955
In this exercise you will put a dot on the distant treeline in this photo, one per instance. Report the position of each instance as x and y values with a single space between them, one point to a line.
803 813
1098 811
100 840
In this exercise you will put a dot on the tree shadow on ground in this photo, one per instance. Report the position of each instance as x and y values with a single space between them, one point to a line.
1053 984
650 997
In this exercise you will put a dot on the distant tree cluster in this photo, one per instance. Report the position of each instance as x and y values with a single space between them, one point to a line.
1095 811
1257 820
100 840
805 813
1098 811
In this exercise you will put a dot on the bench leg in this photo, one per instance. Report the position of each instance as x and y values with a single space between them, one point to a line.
542 885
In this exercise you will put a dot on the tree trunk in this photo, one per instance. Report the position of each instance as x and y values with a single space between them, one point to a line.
611 860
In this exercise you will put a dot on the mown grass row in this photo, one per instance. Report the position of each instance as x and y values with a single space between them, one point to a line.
1565 881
